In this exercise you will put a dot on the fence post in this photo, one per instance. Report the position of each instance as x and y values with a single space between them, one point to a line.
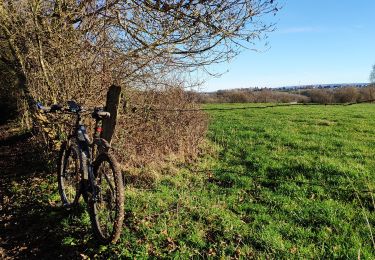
112 105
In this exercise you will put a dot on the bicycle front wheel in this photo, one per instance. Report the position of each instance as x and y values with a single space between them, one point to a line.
68 175
107 202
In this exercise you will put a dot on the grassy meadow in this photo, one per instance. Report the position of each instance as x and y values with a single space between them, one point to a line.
285 182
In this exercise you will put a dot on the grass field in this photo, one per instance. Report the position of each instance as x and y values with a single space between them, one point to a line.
286 182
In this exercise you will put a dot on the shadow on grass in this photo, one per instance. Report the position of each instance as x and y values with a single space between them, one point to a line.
6 113
34 231
32 224
14 139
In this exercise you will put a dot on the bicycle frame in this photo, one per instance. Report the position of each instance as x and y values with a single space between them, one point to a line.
86 150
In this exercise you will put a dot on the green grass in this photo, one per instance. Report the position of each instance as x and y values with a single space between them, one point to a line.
302 171
282 182
286 182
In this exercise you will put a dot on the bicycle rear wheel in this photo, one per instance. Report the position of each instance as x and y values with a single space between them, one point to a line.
68 175
107 204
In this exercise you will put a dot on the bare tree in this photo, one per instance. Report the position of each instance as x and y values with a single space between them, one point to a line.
372 75
56 43
322 96
75 49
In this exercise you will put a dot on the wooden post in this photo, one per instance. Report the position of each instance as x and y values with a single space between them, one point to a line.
112 105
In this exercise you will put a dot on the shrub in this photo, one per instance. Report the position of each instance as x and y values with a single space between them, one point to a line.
346 95
321 96
152 128
249 96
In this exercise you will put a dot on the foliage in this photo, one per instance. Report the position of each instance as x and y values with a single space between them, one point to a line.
340 95
320 96
250 96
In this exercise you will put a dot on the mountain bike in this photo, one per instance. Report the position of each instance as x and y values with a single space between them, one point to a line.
88 168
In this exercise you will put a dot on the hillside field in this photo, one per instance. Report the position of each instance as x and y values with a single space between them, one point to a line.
285 182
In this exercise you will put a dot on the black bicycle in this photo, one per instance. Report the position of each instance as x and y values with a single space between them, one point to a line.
88 168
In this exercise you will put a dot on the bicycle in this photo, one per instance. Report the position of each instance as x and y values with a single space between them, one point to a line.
88 168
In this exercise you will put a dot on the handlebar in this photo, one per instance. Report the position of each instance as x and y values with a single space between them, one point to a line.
97 113
100 114
52 109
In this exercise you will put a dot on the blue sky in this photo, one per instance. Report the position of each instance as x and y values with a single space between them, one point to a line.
315 42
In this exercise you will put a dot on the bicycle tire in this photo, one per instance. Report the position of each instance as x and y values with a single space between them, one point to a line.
106 170
68 178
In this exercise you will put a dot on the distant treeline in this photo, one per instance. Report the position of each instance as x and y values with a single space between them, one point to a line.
323 96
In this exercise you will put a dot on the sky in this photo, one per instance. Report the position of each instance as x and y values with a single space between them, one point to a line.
315 42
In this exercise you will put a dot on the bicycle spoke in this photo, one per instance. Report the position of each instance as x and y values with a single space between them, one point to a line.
69 177
109 183
105 205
